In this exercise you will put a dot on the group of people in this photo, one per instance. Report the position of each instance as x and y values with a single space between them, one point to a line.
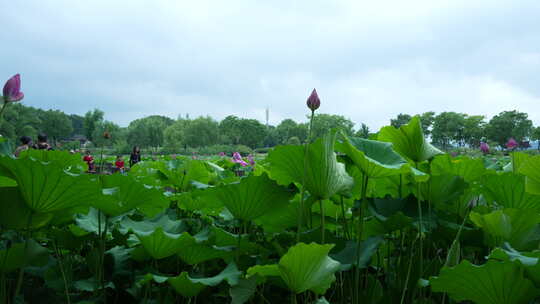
42 144
26 144
119 164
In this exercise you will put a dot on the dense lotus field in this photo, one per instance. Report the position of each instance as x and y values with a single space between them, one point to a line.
341 220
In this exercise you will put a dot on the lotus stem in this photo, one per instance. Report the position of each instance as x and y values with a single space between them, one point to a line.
360 228
302 190
21 271
345 222
322 221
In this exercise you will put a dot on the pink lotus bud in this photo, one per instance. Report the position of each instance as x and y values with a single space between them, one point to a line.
313 101
12 89
237 158
511 144
484 147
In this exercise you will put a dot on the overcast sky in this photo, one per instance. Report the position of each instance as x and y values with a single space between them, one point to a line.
369 60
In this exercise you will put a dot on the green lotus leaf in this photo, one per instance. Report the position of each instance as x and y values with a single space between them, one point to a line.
530 168
409 141
196 249
508 190
443 189
529 260
243 291
7 182
252 197
124 193
470 169
324 175
348 256
162 221
93 221
303 267
21 255
517 159
492 283
160 244
15 214
5 147
48 187
518 227
63 159
190 287
374 158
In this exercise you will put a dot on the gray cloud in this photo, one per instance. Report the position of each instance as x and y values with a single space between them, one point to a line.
369 61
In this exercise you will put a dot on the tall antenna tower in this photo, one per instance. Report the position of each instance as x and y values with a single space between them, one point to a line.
267 116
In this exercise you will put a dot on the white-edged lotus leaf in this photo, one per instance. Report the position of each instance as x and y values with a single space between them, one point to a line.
507 189
520 228
409 141
48 187
374 158
63 159
495 282
123 193
162 220
303 267
324 175
21 255
252 197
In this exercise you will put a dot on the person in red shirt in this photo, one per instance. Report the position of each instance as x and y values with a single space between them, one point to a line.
90 161
120 164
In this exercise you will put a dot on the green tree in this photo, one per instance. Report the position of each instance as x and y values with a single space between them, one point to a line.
56 124
473 130
509 124
174 135
535 135
427 119
322 123
77 122
148 131
288 128
200 132
363 131
91 120
229 130
448 129
400 120
116 133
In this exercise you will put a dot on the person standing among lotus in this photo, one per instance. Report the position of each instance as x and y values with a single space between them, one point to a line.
42 143
25 145
135 156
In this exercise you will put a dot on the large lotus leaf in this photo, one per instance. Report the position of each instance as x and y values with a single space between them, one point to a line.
442 189
195 249
160 244
518 227
409 141
277 220
64 159
162 221
5 147
252 197
21 255
222 238
308 267
349 255
190 287
47 187
531 169
530 261
93 222
7 182
196 201
324 175
508 190
124 193
492 283
15 214
374 158
180 172
243 291
517 159
470 169
147 172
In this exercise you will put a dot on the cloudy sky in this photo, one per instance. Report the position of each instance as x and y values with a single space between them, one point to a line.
369 60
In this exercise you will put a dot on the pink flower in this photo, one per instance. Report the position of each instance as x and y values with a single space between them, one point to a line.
237 158
222 154
484 147
251 160
12 89
511 144
313 101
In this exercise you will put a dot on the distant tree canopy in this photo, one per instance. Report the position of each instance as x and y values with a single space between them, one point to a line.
446 129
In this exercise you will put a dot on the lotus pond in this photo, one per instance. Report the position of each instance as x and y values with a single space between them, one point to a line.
340 220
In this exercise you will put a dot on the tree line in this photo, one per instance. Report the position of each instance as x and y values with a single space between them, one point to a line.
446 129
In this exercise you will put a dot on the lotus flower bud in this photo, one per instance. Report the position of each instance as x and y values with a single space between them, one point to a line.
12 89
484 147
511 144
313 101
237 158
